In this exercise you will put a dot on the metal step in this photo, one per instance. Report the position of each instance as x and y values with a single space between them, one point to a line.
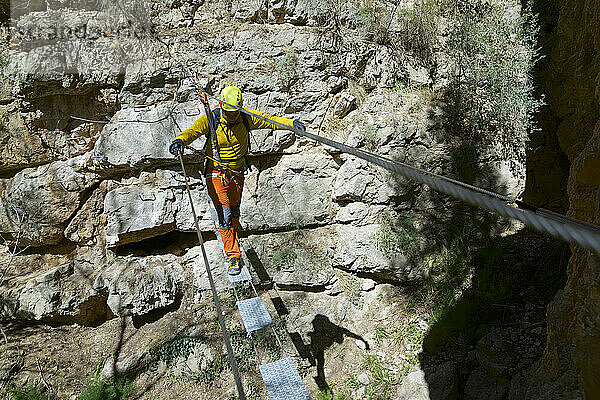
244 275
254 314
283 381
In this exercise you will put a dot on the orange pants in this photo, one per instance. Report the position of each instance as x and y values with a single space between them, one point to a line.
225 190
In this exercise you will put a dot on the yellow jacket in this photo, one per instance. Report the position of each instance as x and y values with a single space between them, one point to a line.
232 139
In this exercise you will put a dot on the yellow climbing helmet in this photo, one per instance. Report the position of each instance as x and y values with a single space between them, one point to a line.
231 95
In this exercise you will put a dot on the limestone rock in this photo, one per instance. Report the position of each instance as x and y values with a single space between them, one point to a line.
356 180
345 103
293 193
141 137
413 386
38 202
194 261
61 294
137 286
299 259
152 205
356 251
87 226
19 147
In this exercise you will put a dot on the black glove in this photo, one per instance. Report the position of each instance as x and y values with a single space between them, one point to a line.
176 147
299 125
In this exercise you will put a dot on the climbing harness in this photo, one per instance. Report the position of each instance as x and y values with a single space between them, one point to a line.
561 226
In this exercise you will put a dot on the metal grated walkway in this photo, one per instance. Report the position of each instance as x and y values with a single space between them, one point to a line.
281 377
283 381
254 314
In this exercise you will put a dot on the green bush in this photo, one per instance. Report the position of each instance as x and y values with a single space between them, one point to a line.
373 19
398 237
490 93
327 394
29 393
97 389
284 258
419 29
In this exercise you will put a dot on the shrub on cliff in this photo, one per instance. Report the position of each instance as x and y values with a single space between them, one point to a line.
492 50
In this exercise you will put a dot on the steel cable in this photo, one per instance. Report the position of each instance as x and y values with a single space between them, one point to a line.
561 226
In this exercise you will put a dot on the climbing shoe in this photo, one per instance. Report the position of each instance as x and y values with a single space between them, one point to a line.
234 266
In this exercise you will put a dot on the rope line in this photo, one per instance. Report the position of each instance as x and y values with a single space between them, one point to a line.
561 226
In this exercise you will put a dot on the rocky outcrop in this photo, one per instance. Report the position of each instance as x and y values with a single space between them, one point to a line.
574 316
39 202
104 207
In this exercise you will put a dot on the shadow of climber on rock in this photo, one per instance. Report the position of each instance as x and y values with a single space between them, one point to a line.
323 335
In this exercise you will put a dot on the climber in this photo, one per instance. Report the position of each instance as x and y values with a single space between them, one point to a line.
225 171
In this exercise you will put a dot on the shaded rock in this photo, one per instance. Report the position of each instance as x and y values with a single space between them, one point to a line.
480 385
505 351
137 286
299 259
357 251
443 381
38 202
263 141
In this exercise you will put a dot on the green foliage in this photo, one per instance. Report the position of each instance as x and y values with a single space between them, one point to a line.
242 347
211 371
97 389
370 135
381 380
373 19
490 92
284 258
180 347
4 58
29 393
419 27
353 289
410 334
398 236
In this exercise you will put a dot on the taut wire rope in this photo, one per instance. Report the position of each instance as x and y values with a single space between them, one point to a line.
564 227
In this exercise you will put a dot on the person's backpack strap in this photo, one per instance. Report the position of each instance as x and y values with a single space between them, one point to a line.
247 125
216 118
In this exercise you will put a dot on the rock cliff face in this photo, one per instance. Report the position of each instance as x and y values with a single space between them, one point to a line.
85 141
574 101
88 184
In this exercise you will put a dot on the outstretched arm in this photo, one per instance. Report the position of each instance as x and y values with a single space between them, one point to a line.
256 123
198 128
